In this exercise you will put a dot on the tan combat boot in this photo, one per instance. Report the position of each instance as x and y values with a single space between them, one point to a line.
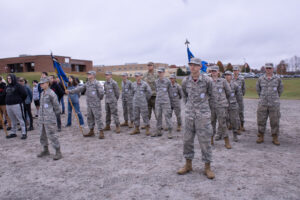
148 130
178 128
143 127
260 138
275 140
209 174
130 125
118 130
166 129
135 131
186 168
57 155
229 127
212 140
90 134
242 127
238 132
170 136
107 128
45 152
101 134
227 143
125 123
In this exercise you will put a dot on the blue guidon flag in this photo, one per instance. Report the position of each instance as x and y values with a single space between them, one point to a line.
58 69
190 55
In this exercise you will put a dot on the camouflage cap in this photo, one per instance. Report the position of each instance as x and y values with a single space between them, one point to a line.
108 73
215 68
124 74
150 64
91 72
236 68
269 65
137 74
196 61
44 80
172 76
228 73
161 69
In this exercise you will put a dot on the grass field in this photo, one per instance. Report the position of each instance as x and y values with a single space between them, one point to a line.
291 86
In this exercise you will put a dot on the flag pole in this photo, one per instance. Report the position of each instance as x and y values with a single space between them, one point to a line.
3 125
71 105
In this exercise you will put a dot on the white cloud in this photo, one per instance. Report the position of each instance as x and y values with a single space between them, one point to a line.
115 32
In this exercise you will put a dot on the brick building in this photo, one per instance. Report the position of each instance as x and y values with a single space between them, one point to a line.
41 63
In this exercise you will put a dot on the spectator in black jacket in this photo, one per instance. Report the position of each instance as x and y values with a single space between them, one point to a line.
59 93
62 101
3 112
27 102
15 96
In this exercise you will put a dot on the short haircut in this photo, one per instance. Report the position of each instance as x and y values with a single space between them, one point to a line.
53 76
35 81
45 73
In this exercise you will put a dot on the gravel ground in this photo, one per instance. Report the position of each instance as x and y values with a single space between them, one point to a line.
141 167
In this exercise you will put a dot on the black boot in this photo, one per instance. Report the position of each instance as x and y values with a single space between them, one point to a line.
24 137
11 136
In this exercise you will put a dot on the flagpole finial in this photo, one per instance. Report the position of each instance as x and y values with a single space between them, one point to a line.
187 42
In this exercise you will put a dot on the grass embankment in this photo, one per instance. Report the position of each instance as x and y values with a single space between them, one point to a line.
291 87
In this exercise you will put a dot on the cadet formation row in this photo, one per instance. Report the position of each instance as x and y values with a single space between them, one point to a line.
207 100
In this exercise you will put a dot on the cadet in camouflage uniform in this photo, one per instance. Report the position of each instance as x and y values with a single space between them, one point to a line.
163 103
176 96
94 95
269 89
233 110
150 78
112 93
141 94
240 81
197 89
219 105
127 100
47 119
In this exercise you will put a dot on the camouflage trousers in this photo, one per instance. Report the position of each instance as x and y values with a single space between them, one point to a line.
140 110
177 110
201 127
160 109
241 110
112 110
151 106
47 131
220 115
127 110
233 119
94 115
263 112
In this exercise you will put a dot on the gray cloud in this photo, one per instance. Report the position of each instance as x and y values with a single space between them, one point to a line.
115 32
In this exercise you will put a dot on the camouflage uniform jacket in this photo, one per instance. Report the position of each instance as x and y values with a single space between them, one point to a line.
240 81
196 95
141 93
150 79
111 90
127 90
234 95
94 93
163 90
176 94
269 90
49 107
220 93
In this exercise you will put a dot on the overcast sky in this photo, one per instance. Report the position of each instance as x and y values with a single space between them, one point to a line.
125 31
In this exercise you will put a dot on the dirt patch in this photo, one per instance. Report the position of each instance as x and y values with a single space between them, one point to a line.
141 167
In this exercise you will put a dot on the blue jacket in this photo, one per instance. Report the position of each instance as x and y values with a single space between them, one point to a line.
28 99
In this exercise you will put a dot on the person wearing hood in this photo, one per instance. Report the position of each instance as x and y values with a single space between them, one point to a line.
15 96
